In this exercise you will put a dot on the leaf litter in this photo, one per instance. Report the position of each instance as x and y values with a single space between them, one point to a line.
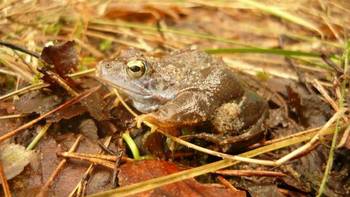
246 34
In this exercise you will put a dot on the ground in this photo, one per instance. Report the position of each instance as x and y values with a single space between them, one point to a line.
56 119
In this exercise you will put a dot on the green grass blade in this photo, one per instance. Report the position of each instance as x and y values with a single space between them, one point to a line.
168 30
282 52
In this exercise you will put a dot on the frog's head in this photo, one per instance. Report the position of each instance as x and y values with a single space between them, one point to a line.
138 77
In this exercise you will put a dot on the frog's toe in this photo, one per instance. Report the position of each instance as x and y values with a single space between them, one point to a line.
152 127
139 120
146 119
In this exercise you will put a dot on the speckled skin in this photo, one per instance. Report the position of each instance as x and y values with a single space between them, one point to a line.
186 87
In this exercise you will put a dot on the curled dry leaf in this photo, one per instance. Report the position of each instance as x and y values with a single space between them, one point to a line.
14 158
64 57
138 171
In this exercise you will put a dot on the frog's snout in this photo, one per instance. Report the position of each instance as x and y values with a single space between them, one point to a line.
98 69
102 69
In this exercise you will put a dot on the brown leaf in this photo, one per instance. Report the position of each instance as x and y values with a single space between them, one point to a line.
89 129
67 113
64 57
100 181
6 125
96 106
134 172
14 158
144 12
37 102
265 190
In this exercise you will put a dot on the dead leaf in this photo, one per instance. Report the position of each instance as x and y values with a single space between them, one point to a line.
64 57
6 125
14 158
67 113
37 102
265 190
138 171
61 60
144 12
100 181
89 129
96 106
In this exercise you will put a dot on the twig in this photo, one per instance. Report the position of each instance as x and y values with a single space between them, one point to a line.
329 161
217 154
306 132
62 83
19 48
30 123
190 173
38 137
227 184
82 73
315 139
54 174
77 189
116 169
24 90
12 116
93 160
325 94
5 185
7 72
345 137
250 173
17 66
331 64
87 156
43 85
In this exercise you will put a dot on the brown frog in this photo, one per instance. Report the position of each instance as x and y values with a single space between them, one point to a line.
189 88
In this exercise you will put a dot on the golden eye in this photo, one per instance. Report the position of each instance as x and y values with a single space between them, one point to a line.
136 68
108 65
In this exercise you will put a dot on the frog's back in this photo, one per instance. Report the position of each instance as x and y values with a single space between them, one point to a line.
194 68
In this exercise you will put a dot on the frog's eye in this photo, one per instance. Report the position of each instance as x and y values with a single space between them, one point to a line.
136 68
108 65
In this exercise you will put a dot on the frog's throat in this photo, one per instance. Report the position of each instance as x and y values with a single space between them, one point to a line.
127 91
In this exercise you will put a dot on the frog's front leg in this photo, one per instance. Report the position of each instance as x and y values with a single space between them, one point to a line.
188 108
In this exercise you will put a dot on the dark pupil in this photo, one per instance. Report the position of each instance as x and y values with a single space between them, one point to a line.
135 68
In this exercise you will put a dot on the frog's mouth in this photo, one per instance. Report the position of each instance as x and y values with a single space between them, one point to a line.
138 95
128 91
121 85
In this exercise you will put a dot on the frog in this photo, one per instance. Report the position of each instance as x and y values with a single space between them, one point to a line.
186 88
